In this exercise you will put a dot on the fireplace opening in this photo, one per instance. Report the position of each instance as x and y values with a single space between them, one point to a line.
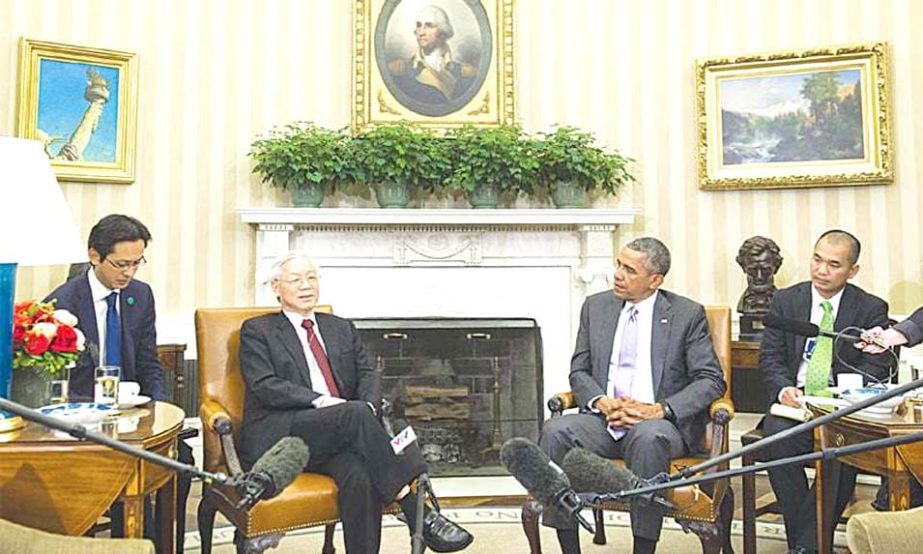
466 385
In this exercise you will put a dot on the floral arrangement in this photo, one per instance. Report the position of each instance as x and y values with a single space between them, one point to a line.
45 338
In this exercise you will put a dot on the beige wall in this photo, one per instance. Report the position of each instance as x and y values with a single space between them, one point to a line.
216 73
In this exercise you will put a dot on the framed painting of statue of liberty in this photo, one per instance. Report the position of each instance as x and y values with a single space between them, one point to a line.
81 103
437 63
795 119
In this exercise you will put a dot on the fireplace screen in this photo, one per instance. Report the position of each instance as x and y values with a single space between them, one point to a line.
465 385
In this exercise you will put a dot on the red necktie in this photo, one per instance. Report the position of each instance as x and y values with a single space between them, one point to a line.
321 357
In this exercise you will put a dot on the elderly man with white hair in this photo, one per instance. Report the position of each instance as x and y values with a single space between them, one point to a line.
431 75
307 375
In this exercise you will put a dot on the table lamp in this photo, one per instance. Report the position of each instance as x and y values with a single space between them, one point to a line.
36 228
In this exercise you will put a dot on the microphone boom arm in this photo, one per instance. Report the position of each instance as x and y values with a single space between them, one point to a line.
827 454
688 472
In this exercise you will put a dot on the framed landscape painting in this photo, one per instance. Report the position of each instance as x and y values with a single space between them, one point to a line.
81 103
437 63
795 119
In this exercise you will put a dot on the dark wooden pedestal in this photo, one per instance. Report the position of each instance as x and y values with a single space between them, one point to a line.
747 389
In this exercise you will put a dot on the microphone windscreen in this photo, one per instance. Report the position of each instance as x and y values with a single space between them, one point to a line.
282 463
534 470
794 326
591 473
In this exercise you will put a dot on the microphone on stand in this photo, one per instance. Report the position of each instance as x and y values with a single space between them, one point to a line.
807 329
542 478
271 473
400 441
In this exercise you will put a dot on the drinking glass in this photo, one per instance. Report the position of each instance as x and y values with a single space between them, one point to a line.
106 389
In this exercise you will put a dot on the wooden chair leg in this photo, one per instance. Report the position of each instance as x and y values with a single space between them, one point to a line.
600 536
531 510
709 534
328 540
749 505
726 520
206 519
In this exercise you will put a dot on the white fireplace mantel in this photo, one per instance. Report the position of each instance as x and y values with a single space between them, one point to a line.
574 218
536 263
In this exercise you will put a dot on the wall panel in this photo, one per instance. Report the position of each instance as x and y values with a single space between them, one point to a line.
214 74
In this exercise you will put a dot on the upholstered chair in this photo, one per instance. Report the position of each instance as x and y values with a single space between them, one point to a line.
710 517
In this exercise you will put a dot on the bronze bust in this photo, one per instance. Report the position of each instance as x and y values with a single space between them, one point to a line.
760 259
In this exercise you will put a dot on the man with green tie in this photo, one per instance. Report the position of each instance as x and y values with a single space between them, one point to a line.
794 366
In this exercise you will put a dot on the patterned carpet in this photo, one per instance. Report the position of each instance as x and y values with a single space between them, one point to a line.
498 530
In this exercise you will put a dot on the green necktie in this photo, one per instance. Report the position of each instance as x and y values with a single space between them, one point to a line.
818 374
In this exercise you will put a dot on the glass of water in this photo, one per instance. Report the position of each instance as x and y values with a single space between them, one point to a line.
106 389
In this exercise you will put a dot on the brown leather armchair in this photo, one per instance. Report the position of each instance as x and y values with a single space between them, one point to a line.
711 515
309 501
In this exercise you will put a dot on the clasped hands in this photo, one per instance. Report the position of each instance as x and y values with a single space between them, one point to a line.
624 412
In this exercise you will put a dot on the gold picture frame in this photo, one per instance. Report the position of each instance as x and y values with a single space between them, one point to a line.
470 79
81 102
809 118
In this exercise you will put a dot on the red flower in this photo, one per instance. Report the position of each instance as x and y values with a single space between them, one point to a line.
19 334
65 340
37 344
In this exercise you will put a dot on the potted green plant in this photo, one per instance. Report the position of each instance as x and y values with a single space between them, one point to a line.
396 159
304 158
488 161
570 165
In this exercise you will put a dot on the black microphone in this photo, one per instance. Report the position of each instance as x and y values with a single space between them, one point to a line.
804 328
542 478
591 473
808 329
272 472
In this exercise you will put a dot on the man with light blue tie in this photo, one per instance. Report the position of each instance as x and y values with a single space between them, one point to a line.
644 372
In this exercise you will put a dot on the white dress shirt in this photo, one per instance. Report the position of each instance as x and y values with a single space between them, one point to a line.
642 384
318 383
99 292
817 314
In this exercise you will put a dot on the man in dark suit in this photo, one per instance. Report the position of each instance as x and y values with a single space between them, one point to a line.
308 375
793 366
116 251
116 313
644 372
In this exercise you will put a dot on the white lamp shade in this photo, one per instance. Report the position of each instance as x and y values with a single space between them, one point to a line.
36 225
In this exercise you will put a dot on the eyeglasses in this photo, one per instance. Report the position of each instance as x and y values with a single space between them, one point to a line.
300 280
122 265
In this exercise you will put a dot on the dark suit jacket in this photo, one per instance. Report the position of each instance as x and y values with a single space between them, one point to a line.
781 352
278 383
912 328
686 372
139 336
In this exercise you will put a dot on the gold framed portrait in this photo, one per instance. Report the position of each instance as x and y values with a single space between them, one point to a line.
436 63
808 118
81 103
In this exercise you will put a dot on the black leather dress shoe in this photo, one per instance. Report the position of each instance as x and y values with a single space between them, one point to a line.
442 535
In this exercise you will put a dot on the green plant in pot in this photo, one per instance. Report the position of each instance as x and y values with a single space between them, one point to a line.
398 159
304 158
489 161
570 165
